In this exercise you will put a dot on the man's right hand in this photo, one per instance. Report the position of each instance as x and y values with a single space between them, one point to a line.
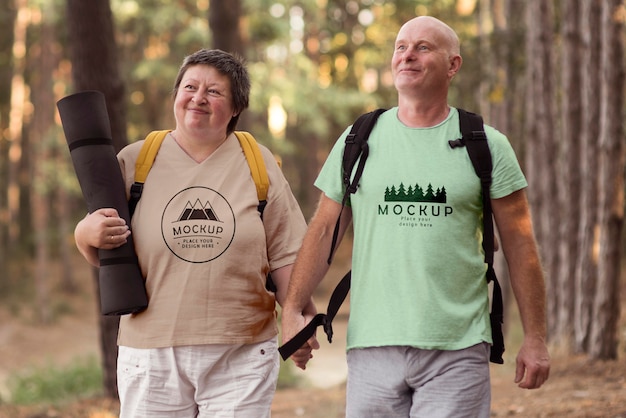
292 323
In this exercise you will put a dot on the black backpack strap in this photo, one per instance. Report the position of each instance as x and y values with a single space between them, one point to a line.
269 282
355 147
336 299
135 194
475 141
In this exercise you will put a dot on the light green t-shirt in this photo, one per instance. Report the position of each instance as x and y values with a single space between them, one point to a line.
418 271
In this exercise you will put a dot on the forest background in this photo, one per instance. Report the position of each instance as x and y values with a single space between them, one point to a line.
549 74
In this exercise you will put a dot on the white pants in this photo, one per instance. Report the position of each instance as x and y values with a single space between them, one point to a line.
225 381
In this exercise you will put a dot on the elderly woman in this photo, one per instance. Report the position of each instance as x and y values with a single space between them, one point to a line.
207 344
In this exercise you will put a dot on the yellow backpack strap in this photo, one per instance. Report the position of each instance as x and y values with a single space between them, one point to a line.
148 153
259 174
145 159
257 166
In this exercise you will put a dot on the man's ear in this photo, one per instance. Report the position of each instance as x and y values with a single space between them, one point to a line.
455 65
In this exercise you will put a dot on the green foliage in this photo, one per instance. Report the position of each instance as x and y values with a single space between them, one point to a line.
82 379
325 62
264 22
153 38
314 108
52 384
319 83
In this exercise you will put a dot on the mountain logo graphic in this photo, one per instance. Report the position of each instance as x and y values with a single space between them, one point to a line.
198 224
198 211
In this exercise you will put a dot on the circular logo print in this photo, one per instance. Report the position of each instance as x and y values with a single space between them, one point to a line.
198 224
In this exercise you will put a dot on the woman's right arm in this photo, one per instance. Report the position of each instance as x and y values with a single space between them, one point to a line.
102 229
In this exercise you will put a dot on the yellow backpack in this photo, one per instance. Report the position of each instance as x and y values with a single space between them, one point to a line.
151 146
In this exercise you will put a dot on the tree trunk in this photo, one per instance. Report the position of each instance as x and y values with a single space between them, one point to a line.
540 134
224 21
308 160
488 60
505 88
604 335
569 185
587 257
95 67
63 211
224 16
40 192
94 59
16 120
7 23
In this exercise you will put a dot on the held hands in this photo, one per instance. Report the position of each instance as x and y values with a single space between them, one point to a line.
532 364
292 323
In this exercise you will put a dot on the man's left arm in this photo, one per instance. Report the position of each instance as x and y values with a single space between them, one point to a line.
512 216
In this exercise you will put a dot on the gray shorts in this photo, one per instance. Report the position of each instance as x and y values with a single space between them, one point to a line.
405 382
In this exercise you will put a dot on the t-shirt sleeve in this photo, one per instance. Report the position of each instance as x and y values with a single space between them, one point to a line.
507 175
329 179
283 220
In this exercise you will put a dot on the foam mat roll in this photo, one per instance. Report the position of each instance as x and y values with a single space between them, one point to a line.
88 133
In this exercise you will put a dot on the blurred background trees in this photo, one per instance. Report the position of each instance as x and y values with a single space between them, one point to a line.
550 74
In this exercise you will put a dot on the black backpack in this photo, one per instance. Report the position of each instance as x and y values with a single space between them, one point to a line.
474 140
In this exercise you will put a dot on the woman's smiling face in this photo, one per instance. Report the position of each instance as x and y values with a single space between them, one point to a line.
203 101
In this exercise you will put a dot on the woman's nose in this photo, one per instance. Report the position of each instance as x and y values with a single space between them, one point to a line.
199 97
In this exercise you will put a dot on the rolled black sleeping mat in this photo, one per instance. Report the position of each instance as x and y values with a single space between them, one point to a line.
88 133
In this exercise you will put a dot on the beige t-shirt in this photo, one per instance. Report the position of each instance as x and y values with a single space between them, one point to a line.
204 250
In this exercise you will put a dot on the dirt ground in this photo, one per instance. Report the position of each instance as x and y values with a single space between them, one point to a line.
577 387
